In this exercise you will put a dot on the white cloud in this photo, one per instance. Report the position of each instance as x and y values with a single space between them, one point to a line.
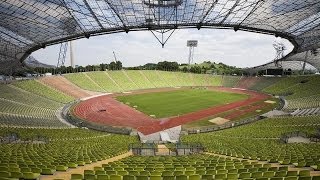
240 49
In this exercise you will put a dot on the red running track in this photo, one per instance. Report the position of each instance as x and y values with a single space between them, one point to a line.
105 110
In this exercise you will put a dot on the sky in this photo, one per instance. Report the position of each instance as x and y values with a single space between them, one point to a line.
241 49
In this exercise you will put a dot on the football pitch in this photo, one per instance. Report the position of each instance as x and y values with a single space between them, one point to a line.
174 103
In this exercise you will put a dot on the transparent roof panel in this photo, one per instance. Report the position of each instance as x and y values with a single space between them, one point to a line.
28 25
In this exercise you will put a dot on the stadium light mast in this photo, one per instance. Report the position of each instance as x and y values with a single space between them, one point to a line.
69 26
62 54
280 48
71 56
191 44
115 57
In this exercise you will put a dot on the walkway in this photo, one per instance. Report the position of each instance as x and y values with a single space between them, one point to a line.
80 169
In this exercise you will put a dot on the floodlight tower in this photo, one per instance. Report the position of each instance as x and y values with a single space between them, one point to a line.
62 54
71 55
191 44
115 57
280 48
68 27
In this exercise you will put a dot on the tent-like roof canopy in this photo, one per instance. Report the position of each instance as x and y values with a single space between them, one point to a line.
28 25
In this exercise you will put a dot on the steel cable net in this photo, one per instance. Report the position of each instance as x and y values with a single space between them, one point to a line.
28 25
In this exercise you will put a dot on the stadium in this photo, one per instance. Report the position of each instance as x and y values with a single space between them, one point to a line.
159 123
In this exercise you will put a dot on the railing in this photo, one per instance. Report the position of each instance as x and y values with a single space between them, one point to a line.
284 138
282 103
14 138
171 149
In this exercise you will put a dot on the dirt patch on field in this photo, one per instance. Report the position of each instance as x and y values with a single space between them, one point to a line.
270 102
219 120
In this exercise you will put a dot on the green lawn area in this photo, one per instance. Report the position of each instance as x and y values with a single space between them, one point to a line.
173 103
205 122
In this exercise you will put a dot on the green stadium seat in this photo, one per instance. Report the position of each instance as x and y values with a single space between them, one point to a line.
115 177
103 177
168 177
195 177
276 178
305 178
14 169
283 168
220 176
89 172
142 177
155 177
167 173
257 174
4 168
269 174
61 168
200 172
97 172
72 165
47 171
273 169
17 175
111 172
304 173
76 176
145 173
129 177
181 177
281 174
233 171
29 175
232 176
292 173
222 171
291 178
242 170
89 176
5 174
244 175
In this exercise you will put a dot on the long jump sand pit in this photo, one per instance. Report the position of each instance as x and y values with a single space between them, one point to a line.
219 120
270 102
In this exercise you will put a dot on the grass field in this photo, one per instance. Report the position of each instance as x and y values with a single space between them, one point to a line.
205 122
173 103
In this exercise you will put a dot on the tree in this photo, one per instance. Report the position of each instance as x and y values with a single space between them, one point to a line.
112 66
168 66
118 65
103 67
185 69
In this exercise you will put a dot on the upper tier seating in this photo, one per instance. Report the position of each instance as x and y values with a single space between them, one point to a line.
230 81
119 81
63 85
21 108
299 91
43 90
247 82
